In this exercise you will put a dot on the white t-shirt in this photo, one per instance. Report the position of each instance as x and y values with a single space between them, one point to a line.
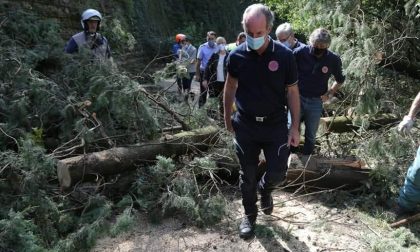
220 70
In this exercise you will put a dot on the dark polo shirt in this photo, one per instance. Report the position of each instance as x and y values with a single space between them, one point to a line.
314 72
298 45
262 79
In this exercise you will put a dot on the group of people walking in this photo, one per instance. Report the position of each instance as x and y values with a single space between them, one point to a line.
267 79
207 65
274 84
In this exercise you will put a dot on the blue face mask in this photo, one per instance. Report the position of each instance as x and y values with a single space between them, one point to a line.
211 43
287 44
255 43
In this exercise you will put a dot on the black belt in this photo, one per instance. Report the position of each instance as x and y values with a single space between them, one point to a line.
261 119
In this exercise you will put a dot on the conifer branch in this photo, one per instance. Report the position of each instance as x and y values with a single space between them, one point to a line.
167 109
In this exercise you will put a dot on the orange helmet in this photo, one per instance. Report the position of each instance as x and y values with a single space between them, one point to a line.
179 37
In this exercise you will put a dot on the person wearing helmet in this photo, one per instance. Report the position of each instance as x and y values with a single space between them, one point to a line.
90 38
179 39
176 48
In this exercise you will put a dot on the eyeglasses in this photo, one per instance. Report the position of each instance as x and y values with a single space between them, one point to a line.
283 40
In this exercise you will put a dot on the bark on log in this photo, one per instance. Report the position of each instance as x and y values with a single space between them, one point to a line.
325 172
121 159
340 124
405 221
319 171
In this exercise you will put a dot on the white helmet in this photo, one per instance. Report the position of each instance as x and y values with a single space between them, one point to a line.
90 14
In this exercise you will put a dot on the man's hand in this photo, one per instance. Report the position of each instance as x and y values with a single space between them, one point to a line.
294 137
405 125
205 84
325 97
228 124
197 77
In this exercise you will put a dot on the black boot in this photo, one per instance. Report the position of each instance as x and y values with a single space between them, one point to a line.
266 203
246 228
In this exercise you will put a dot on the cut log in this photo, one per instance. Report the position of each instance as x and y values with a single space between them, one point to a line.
315 171
405 221
326 172
340 124
121 159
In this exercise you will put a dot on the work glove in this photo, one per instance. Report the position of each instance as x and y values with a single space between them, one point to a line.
405 125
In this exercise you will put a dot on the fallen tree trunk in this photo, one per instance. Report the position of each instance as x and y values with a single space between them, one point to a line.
340 124
121 159
313 171
326 172
405 221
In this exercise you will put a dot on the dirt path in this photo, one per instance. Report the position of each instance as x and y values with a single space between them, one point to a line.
297 224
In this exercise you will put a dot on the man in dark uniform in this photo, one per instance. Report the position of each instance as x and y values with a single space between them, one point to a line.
315 65
286 36
261 74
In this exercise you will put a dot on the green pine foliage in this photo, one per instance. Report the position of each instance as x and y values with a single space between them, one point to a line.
33 214
390 154
376 40
123 223
57 96
369 36
202 203
400 239
177 190
17 233
48 98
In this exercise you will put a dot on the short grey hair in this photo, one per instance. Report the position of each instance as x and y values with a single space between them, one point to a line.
320 35
284 28
220 40
258 9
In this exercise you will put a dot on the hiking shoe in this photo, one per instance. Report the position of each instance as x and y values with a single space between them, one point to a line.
247 226
267 203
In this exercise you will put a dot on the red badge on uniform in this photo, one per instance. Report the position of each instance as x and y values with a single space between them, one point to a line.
325 69
273 65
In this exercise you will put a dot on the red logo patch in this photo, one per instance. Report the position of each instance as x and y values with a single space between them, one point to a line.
325 69
273 65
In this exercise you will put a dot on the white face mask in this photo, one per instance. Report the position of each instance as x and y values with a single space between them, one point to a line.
255 43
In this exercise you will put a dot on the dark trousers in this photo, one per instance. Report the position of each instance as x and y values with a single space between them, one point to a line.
216 91
186 82
203 91
250 139
179 84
